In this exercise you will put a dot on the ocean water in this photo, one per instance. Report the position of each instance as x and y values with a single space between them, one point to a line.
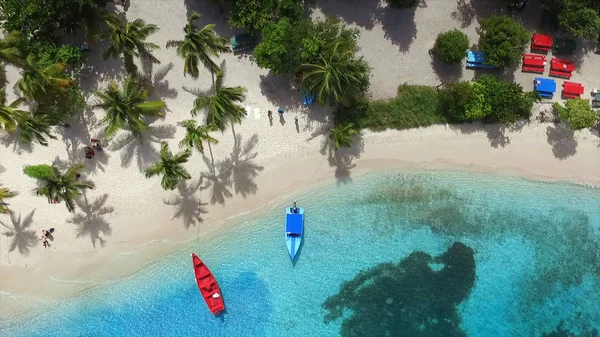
389 254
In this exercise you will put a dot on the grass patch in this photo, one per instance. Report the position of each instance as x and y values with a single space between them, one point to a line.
414 106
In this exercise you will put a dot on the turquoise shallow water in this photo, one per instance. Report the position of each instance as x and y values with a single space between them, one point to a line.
392 254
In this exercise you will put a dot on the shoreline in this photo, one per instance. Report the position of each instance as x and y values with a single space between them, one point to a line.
56 271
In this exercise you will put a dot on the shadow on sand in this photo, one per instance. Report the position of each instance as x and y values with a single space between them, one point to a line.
495 132
20 233
562 139
89 219
238 171
142 148
187 205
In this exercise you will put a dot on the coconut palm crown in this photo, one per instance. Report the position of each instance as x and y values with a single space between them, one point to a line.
222 105
126 106
199 46
196 135
170 167
8 48
9 114
338 78
42 83
128 39
59 187
341 135
5 193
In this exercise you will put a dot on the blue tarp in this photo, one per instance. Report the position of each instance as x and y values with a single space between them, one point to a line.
475 57
544 85
308 98
293 223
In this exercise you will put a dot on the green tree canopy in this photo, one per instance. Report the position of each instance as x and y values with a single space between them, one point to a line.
341 135
125 107
222 106
582 22
464 101
170 167
451 46
9 51
503 40
128 39
199 46
339 77
507 101
576 112
9 114
42 83
58 186
255 15
196 135
42 16
5 193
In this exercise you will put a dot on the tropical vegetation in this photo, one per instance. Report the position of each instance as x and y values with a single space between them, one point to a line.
222 105
196 135
126 107
464 101
578 17
503 40
58 186
5 193
255 15
576 112
341 135
199 46
451 46
338 78
9 52
128 40
9 114
170 167
42 83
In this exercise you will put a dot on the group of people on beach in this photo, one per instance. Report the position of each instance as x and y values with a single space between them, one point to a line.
89 150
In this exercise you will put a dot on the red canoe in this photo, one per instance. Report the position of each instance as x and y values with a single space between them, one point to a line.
209 288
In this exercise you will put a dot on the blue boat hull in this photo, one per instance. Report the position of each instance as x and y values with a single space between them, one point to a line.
293 241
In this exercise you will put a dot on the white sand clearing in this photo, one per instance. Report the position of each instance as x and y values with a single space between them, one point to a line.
128 218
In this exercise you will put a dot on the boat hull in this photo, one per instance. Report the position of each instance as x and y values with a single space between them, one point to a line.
293 242
208 286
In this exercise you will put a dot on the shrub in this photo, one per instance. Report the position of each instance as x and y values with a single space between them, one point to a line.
38 171
451 46
576 112
507 101
464 101
503 40
402 3
49 54
414 106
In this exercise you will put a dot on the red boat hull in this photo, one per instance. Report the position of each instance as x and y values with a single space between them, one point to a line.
208 286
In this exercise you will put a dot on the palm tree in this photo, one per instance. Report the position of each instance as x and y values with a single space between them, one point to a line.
196 135
340 78
9 113
222 105
57 186
125 107
8 50
36 126
199 46
41 84
170 167
341 135
5 193
129 39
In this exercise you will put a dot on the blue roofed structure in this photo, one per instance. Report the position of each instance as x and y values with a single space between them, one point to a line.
293 223
546 87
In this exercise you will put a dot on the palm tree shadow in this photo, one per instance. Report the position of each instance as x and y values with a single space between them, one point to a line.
91 222
342 159
142 148
23 238
218 180
13 141
243 171
188 206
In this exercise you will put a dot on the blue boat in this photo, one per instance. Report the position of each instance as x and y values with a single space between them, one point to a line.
294 229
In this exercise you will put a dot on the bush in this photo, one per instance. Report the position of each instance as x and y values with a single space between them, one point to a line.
507 101
451 46
414 106
576 112
503 40
464 101
38 171
256 15
402 3
49 54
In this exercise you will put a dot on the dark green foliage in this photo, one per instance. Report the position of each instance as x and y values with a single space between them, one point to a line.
503 40
413 107
402 3
464 101
576 112
287 44
582 22
255 15
281 48
49 54
408 297
451 46
508 102
38 171
42 17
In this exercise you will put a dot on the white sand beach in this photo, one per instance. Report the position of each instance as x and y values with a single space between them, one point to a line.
128 218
